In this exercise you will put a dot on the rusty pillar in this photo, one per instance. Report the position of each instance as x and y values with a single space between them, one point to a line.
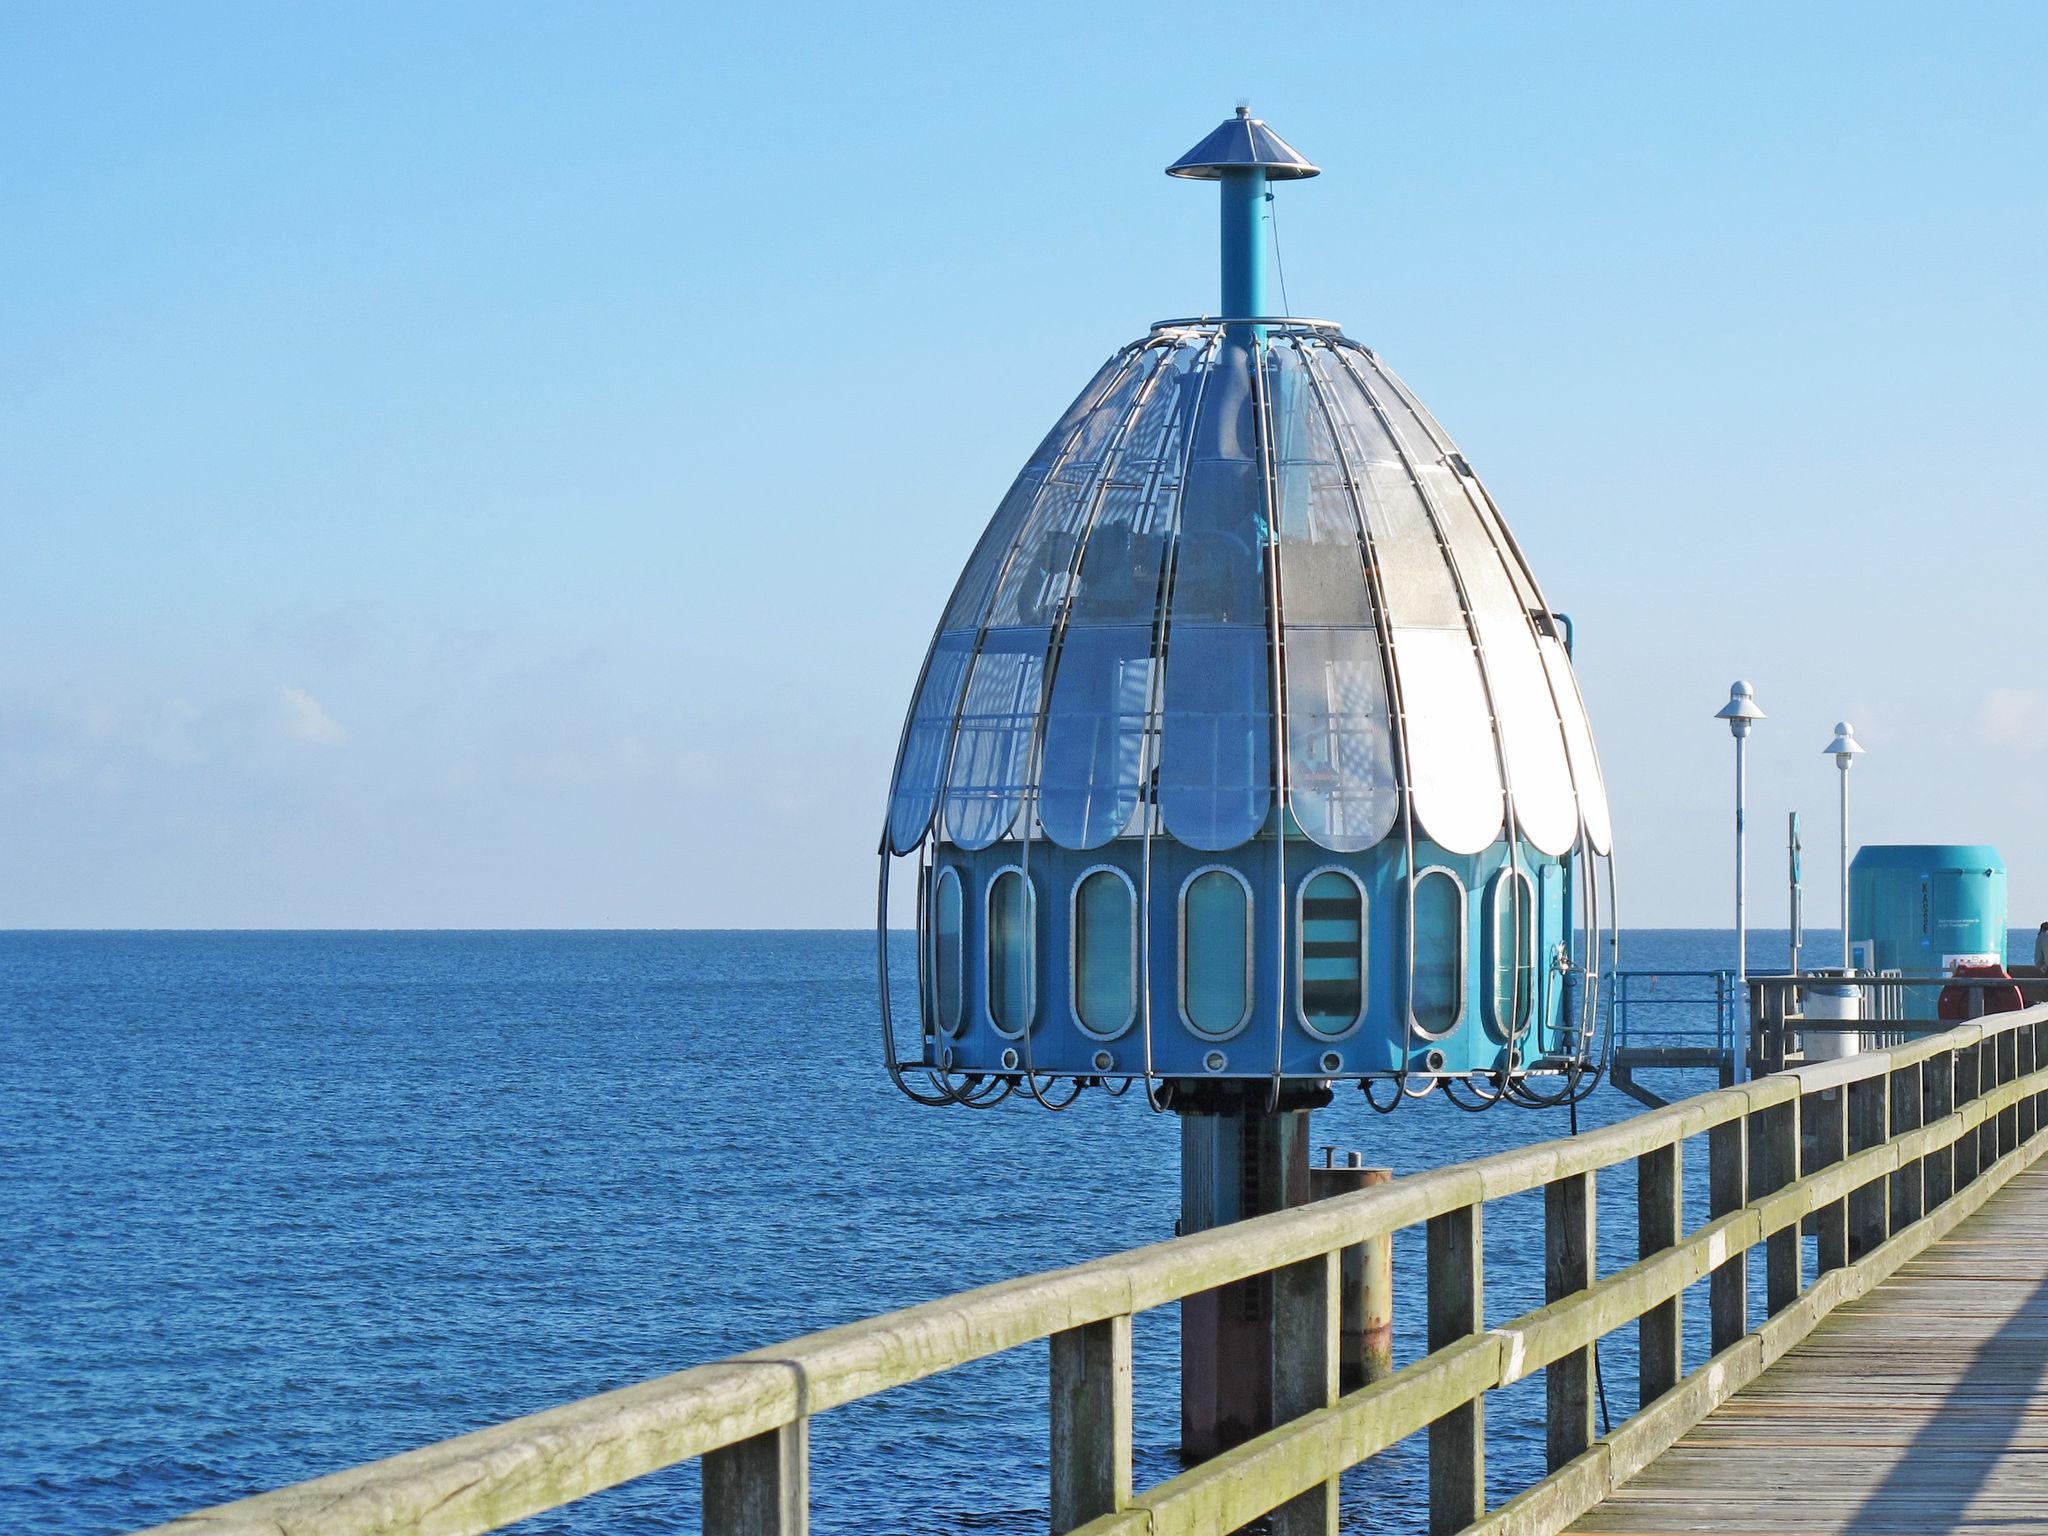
1368 1326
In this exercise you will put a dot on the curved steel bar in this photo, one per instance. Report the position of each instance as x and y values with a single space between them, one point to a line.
1148 766
1284 323
882 970
1510 828
1397 708
1277 737
1025 525
1055 645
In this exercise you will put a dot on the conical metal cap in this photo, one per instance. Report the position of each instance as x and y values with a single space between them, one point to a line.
1243 141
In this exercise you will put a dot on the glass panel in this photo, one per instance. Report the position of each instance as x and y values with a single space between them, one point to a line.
1332 926
1102 691
930 732
1451 751
1215 786
1215 775
1012 951
1215 956
1035 585
1578 740
1341 779
1341 783
1538 775
1105 952
1322 566
1514 952
922 758
1436 987
1095 734
985 786
946 956
1452 757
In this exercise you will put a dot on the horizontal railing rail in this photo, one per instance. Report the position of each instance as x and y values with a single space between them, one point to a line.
1884 1152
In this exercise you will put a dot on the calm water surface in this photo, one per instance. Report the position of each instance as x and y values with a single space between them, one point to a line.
279 1203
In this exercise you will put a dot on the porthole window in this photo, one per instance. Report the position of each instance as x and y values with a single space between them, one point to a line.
946 953
1215 951
1012 951
1104 931
1512 965
1330 960
1436 982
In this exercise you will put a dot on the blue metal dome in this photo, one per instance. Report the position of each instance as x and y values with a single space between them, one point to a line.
1247 744
1249 574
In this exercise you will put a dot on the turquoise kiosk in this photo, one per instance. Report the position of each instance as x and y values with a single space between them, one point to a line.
1247 761
1922 909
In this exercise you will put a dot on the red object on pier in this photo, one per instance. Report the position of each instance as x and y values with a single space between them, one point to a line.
1954 1005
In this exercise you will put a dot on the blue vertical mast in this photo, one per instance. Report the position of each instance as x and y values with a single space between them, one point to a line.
1243 156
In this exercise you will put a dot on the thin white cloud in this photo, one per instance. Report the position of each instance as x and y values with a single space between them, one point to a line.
303 718
2014 717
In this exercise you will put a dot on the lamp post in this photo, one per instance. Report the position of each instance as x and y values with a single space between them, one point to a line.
1846 750
1740 712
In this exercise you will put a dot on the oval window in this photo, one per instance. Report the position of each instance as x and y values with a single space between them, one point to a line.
1513 963
1331 925
1215 951
1436 984
946 957
1011 951
1105 952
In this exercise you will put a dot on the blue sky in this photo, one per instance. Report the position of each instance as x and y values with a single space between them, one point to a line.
483 465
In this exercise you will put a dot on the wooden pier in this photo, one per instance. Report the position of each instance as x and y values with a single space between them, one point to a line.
1892 1384
1921 1408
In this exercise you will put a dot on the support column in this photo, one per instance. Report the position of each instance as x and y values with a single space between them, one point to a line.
1237 1161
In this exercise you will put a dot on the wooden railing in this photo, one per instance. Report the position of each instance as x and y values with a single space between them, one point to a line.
1900 1146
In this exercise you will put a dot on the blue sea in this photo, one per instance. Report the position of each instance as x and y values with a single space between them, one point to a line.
277 1203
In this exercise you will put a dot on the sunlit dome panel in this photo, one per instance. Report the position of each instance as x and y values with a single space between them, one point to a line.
1247 564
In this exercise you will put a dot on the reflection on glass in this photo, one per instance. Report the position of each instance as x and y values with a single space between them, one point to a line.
1095 734
1105 952
1332 926
946 979
1215 954
1436 987
992 746
1012 951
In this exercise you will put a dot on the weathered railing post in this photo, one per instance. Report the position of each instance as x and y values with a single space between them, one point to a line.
1457 1441
1307 1309
1823 1120
1909 1184
1568 1249
1869 1126
1091 1422
760 1486
1660 1217
1938 1076
2008 1069
2025 1121
1727 1189
1774 1163
2040 1033
1968 1062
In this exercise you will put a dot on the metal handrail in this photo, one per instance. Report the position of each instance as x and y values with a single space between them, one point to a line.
1909 1141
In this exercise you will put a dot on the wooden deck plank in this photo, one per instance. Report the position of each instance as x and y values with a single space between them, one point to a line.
1921 1408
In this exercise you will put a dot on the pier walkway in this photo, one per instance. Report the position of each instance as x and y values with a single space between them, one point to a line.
1921 1408
1888 1379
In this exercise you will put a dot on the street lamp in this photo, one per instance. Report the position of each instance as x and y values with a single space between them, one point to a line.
1846 750
1740 712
